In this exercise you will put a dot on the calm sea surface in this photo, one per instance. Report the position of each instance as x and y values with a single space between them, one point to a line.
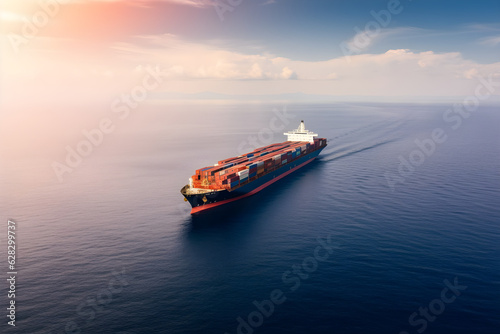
412 234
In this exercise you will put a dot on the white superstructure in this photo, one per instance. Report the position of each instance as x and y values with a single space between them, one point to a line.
300 134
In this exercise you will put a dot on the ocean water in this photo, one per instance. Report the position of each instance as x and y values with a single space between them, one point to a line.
393 229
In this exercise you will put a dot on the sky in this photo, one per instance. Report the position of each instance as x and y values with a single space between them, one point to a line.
75 50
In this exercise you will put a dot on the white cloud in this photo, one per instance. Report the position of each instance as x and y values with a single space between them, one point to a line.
365 39
490 41
483 27
471 73
395 72
256 72
191 67
287 73
200 61
332 76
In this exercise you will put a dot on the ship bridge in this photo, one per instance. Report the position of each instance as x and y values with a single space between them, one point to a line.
301 134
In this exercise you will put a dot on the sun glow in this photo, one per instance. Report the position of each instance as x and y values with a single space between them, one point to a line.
10 16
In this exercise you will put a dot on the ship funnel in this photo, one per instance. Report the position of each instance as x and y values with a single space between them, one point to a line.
302 127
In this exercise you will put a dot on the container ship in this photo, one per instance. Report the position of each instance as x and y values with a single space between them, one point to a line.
238 177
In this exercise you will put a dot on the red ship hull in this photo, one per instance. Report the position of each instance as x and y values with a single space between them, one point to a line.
217 197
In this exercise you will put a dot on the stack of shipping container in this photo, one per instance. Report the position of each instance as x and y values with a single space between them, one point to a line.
233 172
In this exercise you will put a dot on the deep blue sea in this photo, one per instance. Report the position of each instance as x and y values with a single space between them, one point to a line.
393 229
